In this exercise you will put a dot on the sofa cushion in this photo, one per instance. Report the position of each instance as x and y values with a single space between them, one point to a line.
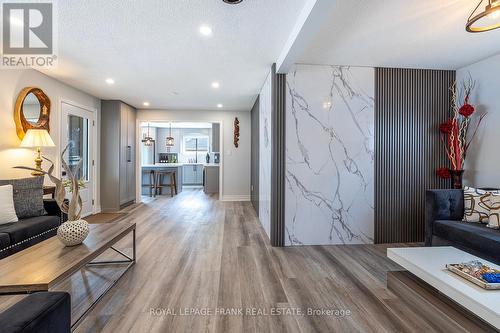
28 196
494 206
7 210
476 204
4 240
474 236
24 229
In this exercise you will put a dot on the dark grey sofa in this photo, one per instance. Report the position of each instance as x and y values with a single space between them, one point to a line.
20 235
444 210
44 312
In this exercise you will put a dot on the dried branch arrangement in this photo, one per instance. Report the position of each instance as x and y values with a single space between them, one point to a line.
73 208
455 132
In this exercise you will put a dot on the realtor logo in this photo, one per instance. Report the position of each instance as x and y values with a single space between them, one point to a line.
28 34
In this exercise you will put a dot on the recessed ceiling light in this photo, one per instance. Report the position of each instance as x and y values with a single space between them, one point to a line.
145 103
205 30
110 81
215 84
220 106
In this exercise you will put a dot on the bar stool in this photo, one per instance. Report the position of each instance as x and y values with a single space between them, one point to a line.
151 185
159 182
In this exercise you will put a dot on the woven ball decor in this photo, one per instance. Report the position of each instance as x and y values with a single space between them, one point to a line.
72 233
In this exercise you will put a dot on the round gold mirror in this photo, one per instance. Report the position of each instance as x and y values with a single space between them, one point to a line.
32 111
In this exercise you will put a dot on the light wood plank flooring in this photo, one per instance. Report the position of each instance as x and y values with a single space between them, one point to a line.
197 252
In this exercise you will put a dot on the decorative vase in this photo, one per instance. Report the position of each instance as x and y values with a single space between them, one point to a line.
72 233
456 178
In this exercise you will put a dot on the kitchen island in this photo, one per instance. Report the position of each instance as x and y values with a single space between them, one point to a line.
186 174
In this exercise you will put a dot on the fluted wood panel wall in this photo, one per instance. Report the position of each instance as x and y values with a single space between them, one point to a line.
278 159
409 106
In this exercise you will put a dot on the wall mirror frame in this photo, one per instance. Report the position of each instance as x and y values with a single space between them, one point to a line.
32 111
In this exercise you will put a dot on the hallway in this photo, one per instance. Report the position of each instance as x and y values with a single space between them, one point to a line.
206 266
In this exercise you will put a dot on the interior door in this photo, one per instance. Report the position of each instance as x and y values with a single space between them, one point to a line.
77 129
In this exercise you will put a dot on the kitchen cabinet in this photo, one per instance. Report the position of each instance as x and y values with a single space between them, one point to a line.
118 121
192 174
216 138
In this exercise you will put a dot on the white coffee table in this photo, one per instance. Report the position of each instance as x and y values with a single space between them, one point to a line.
429 264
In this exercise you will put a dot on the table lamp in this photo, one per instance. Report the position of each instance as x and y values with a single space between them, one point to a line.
37 138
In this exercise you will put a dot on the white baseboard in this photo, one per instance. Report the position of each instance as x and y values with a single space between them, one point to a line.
236 198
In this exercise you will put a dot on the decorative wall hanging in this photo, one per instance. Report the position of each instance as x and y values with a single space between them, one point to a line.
488 19
32 111
236 132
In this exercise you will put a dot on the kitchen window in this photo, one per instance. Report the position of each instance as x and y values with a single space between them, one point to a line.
198 143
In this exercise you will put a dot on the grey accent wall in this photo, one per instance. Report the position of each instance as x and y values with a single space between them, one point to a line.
409 106
254 178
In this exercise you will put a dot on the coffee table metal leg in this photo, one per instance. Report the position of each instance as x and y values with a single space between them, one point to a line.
130 261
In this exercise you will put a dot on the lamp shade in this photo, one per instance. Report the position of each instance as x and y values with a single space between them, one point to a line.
36 138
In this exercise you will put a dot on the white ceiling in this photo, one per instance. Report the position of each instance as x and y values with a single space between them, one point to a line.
176 124
401 33
154 51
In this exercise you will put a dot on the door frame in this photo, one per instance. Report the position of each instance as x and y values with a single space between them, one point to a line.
96 207
138 153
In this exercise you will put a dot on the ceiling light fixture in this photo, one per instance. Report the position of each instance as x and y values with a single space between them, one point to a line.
215 85
148 140
170 138
110 81
219 105
232 2
205 30
145 103
487 20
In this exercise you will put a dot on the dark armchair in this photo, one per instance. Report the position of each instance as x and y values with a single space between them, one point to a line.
44 312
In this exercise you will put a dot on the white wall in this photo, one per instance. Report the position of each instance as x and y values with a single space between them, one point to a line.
11 83
483 159
236 171
329 196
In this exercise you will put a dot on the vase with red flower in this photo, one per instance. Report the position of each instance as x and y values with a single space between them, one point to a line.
456 134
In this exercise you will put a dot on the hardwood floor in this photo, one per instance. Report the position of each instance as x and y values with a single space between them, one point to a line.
195 252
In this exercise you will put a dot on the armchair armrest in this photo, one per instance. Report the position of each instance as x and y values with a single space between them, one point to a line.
442 205
44 312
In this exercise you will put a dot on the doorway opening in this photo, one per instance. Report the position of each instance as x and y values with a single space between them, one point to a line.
177 156
78 130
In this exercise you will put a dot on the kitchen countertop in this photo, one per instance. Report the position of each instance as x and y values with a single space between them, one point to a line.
176 165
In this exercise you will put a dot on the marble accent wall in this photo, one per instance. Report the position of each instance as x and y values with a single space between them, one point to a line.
265 109
330 155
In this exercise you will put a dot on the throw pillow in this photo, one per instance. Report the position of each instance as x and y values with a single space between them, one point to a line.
7 210
494 218
476 204
28 196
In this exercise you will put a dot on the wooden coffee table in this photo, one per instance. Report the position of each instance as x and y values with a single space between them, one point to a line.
46 264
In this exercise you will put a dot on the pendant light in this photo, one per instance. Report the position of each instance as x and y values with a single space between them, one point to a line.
170 139
487 20
148 140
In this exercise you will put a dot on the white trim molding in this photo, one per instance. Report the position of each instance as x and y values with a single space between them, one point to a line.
243 197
